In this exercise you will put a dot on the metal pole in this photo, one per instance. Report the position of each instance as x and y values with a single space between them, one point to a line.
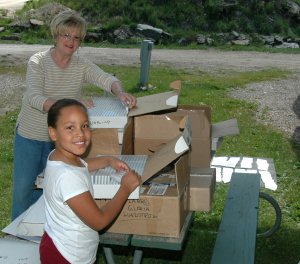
145 58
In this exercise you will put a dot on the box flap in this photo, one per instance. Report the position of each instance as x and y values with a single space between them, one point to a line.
200 118
182 170
225 128
157 126
155 102
168 153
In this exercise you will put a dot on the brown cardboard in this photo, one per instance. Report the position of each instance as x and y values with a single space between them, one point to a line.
153 131
157 102
104 141
156 215
200 120
202 188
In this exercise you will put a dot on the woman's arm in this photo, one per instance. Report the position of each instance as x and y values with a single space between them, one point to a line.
108 82
35 82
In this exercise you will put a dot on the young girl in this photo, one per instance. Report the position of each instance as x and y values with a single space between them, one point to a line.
72 216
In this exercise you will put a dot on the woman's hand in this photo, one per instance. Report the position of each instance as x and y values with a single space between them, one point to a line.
127 99
88 103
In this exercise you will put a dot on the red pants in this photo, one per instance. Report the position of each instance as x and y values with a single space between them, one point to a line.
49 253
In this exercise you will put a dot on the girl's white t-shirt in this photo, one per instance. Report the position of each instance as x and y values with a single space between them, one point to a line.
76 241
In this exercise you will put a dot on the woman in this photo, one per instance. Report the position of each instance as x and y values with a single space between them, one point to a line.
56 73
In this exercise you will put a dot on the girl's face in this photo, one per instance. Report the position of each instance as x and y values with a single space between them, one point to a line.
72 134
68 42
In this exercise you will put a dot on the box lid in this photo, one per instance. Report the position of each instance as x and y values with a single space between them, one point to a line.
155 102
225 128
168 152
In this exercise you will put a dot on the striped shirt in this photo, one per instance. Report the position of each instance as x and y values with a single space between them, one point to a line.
45 80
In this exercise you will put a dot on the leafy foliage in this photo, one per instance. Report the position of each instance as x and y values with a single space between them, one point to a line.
264 17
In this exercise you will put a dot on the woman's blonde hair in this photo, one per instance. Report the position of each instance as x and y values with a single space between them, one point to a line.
65 20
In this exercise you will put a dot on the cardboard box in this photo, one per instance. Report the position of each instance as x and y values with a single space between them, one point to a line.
202 188
157 215
168 152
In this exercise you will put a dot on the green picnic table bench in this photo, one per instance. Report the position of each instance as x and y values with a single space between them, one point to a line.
139 242
236 239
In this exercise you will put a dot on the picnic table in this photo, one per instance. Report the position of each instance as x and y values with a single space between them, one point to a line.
236 238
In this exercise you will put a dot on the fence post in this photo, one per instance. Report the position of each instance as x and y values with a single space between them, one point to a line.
145 57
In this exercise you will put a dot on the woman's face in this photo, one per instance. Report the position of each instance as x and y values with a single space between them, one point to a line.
68 42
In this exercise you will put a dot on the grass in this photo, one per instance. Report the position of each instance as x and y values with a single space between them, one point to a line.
254 140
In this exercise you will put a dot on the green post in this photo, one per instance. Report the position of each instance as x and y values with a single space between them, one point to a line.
145 58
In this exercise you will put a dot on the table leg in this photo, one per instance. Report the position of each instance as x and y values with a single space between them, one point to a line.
137 258
109 255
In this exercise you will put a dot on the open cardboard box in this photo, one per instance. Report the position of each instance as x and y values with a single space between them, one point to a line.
160 209
163 156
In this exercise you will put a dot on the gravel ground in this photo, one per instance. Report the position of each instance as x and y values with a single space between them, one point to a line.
278 101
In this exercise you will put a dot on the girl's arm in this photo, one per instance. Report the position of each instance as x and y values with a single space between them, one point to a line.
105 161
97 218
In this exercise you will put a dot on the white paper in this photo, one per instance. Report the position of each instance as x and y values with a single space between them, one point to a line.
16 251
265 167
227 173
247 163
181 146
108 113
172 101
262 164
106 182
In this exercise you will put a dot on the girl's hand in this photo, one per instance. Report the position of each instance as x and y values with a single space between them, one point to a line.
119 165
130 181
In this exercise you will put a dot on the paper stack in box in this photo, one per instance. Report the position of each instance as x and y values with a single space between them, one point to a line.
108 112
106 182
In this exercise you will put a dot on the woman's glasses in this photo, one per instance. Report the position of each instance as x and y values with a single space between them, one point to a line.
68 37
